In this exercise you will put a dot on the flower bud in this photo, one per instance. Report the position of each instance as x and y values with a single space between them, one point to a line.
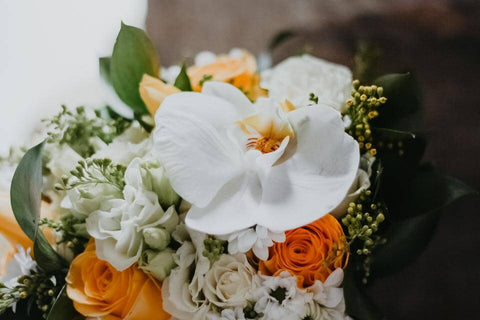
156 238
158 264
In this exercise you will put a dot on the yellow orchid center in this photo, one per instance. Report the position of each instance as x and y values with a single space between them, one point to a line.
266 130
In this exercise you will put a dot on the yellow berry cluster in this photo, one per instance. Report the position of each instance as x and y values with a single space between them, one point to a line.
361 109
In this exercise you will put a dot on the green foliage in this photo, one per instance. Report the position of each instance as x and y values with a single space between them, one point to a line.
214 248
73 231
38 288
361 110
26 193
183 81
358 304
133 56
95 171
63 308
205 78
362 223
104 68
77 128
402 110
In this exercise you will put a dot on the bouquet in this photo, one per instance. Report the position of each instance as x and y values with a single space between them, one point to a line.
226 193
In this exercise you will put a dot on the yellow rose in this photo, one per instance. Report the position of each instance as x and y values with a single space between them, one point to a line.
239 70
99 290
153 91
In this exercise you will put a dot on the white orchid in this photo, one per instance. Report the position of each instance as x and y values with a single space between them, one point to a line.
239 166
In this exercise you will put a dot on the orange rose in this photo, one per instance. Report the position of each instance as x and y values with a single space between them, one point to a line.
310 252
240 71
99 290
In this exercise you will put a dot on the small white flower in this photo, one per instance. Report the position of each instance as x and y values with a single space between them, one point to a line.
20 264
229 314
170 74
296 77
280 298
257 238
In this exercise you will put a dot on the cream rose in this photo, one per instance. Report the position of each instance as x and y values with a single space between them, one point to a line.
230 281
297 77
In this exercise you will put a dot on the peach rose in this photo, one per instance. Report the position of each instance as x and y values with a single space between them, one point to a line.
153 91
311 252
99 290
239 70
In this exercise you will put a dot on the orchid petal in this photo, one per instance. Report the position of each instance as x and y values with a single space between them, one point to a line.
317 176
233 208
230 94
193 149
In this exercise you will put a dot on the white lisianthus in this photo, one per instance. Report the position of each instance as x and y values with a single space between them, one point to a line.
133 143
117 226
297 77
280 298
257 238
230 281
85 199
182 294
261 165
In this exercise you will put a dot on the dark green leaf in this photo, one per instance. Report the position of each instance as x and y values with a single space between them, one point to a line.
26 197
358 304
183 81
47 258
26 190
406 239
403 104
133 56
429 191
280 38
104 66
63 308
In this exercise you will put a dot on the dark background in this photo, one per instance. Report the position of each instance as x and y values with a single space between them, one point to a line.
439 41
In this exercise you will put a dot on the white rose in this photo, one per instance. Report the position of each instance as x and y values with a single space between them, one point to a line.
361 184
230 281
296 77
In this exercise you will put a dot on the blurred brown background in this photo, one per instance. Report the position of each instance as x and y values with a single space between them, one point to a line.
439 41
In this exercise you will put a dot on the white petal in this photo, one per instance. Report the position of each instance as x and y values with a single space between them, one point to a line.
231 94
335 278
316 178
233 209
192 146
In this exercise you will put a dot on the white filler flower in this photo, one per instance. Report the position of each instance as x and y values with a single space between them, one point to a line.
275 166
297 77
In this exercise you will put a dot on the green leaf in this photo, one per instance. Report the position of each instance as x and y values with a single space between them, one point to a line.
183 81
26 190
406 239
280 38
133 56
104 68
403 104
429 191
358 304
26 197
63 308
